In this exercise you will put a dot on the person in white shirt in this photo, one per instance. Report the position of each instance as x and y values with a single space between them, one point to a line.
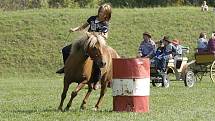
202 42
204 6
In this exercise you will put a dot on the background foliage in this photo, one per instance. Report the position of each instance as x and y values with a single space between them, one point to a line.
26 4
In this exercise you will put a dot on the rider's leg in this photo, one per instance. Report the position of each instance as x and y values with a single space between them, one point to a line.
96 76
65 51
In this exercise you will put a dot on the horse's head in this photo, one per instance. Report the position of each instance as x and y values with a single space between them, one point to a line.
94 48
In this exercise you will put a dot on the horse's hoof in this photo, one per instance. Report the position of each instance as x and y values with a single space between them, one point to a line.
60 109
66 109
95 109
82 108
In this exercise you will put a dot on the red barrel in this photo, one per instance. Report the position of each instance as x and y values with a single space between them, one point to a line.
131 84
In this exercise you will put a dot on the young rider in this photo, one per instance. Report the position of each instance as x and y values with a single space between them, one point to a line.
98 23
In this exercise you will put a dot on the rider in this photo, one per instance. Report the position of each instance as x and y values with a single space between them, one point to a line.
98 23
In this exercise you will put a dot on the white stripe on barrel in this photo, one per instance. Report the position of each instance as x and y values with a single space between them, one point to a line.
131 84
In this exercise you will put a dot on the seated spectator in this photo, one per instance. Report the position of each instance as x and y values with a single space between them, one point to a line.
166 55
160 48
204 6
202 43
178 47
158 54
211 43
147 46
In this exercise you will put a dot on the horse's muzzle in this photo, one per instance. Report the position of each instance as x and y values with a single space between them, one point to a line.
101 64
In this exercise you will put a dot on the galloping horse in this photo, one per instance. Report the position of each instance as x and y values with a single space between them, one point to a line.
78 67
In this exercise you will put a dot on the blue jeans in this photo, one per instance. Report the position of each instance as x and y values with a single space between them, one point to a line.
161 63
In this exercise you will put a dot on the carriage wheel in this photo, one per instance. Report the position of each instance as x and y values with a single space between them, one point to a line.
189 79
156 84
212 72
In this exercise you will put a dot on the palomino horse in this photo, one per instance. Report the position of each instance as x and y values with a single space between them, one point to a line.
78 67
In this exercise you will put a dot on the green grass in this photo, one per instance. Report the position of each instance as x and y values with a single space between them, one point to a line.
38 98
31 40
30 44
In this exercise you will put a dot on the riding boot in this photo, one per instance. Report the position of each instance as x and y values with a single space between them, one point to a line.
65 52
60 71
96 75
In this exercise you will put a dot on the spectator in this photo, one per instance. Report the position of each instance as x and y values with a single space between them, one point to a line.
160 48
158 54
147 46
204 6
169 48
178 47
211 43
202 43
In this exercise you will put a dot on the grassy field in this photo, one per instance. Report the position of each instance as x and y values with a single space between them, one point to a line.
31 40
26 99
30 45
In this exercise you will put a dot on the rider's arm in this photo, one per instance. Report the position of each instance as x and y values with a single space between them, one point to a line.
150 54
79 28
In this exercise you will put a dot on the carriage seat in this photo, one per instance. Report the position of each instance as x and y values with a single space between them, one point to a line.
204 53
204 57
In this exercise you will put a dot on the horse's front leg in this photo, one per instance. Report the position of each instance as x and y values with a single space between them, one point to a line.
74 94
102 93
63 95
83 105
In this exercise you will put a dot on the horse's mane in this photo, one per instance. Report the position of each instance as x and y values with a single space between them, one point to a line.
93 38
88 40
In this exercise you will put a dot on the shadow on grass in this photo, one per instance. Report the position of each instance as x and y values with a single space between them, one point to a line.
30 111
54 110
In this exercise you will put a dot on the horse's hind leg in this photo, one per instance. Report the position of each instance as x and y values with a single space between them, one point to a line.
73 95
83 105
63 95
102 93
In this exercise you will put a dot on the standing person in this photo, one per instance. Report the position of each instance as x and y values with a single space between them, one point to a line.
147 46
202 42
98 23
211 43
204 6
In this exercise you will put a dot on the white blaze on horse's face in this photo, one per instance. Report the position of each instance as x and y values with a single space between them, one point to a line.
96 53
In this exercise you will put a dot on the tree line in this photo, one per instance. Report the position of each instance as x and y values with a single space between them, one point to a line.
28 4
